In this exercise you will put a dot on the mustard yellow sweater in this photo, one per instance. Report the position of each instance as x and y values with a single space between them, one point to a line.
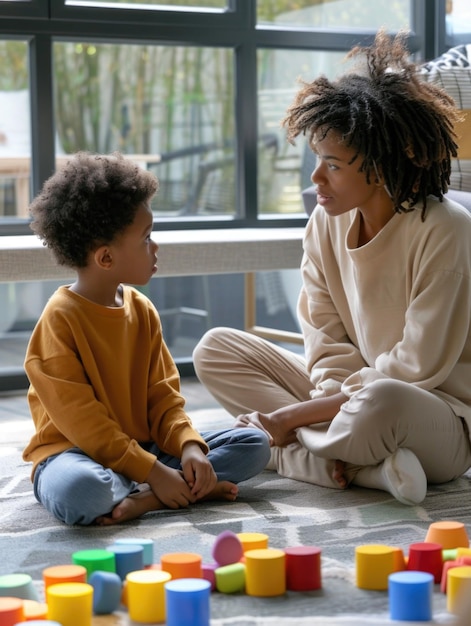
102 379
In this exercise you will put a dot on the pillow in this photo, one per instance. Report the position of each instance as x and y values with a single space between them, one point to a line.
452 72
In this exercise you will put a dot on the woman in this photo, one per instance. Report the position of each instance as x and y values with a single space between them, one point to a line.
383 396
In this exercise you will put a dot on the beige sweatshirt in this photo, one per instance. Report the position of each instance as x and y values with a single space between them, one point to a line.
397 307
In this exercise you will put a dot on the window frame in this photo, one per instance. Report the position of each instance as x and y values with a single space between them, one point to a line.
24 8
234 27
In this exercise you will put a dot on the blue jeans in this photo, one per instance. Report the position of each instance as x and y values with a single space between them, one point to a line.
76 489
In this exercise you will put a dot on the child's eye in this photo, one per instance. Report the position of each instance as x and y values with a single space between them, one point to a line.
332 166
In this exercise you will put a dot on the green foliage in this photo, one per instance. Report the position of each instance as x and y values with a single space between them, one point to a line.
13 65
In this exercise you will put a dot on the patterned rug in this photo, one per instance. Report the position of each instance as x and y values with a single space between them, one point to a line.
290 513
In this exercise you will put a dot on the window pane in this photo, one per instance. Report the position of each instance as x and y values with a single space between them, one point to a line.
338 14
15 133
169 108
285 170
162 4
458 22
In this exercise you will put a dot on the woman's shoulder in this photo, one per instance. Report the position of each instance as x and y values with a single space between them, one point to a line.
448 212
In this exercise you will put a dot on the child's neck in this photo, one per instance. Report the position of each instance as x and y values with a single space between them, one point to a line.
98 292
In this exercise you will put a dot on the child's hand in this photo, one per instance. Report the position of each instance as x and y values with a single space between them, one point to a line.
197 471
169 486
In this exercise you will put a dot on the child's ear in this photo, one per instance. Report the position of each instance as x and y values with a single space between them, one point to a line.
103 258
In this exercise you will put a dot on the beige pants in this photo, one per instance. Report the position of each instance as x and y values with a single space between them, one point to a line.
246 373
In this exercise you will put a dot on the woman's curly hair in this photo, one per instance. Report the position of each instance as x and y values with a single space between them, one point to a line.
87 203
399 125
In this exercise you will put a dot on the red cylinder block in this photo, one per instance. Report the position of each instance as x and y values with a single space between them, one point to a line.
303 568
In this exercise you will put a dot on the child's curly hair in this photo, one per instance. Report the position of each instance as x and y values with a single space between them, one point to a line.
87 203
399 125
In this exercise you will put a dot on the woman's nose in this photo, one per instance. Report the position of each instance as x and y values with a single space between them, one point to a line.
316 174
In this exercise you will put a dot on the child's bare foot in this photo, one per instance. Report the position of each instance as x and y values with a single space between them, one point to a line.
132 507
272 426
224 490
143 501
339 474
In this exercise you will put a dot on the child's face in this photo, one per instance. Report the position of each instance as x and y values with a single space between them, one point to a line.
340 186
134 252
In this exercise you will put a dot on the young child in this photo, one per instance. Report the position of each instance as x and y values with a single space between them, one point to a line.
382 398
112 437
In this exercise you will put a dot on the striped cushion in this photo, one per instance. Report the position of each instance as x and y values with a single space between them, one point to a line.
452 72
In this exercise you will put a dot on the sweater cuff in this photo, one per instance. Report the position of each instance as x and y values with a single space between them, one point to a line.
137 463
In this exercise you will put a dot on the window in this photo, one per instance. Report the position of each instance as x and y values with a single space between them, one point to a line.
193 90
335 14
15 131
458 23
142 4
169 108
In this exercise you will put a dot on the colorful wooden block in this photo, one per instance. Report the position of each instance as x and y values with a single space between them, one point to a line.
426 557
182 564
146 595
187 602
265 573
410 596
374 563
70 604
303 568
449 534
230 578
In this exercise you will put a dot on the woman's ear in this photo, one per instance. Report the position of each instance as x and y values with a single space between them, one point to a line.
103 258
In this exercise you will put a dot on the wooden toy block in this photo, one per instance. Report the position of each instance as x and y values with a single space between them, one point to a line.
227 548
426 557
70 604
18 586
11 611
147 546
64 574
128 558
458 588
374 563
209 573
93 560
410 596
253 541
107 588
182 564
230 578
187 602
146 595
34 610
303 568
265 573
449 534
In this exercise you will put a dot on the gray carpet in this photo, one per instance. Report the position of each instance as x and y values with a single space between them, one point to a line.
290 513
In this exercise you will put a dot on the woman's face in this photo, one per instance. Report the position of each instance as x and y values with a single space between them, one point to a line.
340 186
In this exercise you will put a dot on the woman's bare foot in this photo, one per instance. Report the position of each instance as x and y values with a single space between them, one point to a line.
272 426
339 474
132 507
